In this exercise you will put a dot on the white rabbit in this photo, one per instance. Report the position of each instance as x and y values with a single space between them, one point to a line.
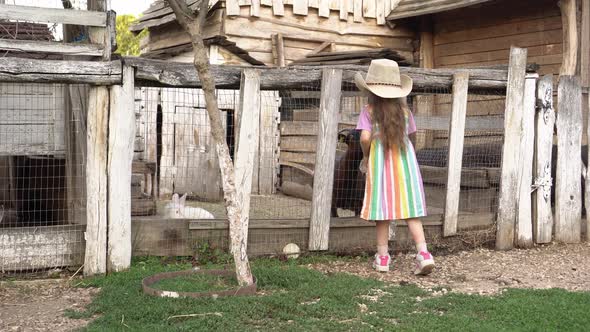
176 209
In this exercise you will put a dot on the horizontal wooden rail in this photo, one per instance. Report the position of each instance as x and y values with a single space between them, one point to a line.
164 73
53 15
472 123
58 71
466 221
170 74
50 47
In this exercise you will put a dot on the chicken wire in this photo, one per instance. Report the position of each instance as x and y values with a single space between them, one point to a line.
432 109
42 182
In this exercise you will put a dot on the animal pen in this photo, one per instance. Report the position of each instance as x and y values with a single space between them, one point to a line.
92 152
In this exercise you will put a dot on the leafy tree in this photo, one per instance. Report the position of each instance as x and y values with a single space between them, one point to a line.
127 41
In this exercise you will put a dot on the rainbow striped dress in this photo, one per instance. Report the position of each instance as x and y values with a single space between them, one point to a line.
393 189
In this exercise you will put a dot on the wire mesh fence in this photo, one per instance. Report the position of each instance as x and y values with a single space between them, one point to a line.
42 183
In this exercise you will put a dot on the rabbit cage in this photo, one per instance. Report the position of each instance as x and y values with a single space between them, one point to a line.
42 205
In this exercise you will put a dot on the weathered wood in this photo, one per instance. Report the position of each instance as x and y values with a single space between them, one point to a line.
470 178
167 171
232 7
269 141
511 150
109 36
96 182
570 37
41 247
524 224
457 131
164 73
568 205
40 46
545 124
120 158
425 104
57 71
585 44
247 143
280 50
319 230
419 8
300 7
472 123
52 15
278 8
255 8
587 184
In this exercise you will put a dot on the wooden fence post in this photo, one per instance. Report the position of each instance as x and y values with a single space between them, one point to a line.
543 215
524 222
587 184
456 140
319 228
568 205
120 158
247 142
96 182
511 150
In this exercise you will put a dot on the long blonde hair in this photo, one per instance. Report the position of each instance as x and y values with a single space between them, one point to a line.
389 116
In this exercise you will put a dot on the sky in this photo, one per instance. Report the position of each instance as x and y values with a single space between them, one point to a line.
134 7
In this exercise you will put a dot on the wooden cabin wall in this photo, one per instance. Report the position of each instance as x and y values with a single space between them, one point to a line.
302 34
481 35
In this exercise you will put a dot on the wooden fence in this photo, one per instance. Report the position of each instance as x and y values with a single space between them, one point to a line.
110 138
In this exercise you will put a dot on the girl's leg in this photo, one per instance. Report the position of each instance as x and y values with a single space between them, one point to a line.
382 237
424 260
417 232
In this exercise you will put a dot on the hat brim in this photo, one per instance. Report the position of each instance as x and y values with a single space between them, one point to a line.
386 91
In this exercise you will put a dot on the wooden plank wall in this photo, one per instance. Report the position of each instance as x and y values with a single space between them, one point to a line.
482 35
303 34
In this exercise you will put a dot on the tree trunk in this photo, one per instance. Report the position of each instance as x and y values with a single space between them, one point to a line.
238 234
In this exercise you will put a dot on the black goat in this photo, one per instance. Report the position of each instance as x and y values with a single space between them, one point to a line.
349 183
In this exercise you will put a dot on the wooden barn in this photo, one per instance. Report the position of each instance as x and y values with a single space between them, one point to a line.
277 32
428 34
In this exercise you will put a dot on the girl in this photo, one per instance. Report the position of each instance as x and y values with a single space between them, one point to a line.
393 188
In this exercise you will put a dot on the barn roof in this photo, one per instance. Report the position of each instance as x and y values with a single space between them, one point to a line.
413 8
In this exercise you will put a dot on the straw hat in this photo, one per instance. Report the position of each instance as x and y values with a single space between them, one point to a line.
384 80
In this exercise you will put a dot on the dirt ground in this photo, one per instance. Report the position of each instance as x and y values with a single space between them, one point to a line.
39 305
484 271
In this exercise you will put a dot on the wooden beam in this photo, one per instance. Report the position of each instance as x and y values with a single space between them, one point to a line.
96 182
545 125
472 123
57 71
418 8
52 15
120 158
164 73
319 230
511 150
570 37
457 132
568 205
40 46
425 103
524 222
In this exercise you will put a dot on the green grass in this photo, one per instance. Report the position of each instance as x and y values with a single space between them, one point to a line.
197 283
294 298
